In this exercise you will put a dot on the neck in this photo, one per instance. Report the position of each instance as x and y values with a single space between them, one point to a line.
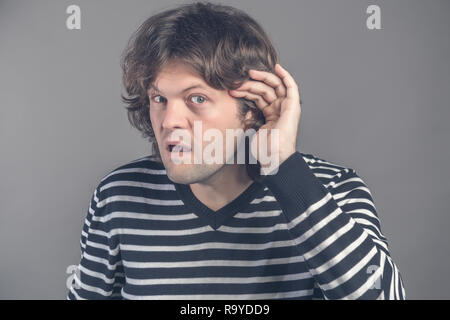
223 187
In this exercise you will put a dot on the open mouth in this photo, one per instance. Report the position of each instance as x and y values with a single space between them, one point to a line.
173 148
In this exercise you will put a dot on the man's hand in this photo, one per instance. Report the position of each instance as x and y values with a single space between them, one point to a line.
278 97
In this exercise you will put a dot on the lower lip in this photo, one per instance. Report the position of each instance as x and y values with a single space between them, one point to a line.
179 154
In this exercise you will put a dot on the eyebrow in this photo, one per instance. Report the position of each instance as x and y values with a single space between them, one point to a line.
184 90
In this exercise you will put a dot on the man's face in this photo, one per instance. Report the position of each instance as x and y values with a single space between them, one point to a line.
173 110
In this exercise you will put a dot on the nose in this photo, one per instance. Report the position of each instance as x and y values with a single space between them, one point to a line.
174 116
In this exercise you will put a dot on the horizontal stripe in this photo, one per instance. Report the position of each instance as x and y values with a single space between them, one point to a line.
224 280
256 296
137 184
213 263
139 200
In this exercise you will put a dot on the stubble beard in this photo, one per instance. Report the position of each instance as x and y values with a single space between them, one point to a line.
196 173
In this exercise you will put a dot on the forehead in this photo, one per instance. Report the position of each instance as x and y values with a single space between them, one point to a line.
177 74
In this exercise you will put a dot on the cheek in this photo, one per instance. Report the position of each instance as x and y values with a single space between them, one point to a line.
154 122
150 114
233 113
153 118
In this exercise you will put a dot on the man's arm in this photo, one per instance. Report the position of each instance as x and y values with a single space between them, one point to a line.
337 231
100 271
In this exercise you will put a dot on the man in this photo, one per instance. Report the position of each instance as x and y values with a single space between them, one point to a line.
160 228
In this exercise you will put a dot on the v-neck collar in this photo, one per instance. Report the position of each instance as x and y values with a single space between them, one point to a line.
217 218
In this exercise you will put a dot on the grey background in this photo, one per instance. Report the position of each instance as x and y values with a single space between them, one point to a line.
374 100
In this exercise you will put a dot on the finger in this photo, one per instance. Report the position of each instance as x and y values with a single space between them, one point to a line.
270 111
260 88
258 99
289 82
270 79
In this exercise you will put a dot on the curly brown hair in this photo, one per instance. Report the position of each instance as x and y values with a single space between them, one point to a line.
221 43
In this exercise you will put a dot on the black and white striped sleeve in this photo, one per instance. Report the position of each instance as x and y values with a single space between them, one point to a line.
336 228
99 274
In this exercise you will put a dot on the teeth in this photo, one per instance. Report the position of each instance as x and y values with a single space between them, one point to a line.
184 149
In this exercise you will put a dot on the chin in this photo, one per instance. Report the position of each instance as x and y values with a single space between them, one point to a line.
190 174
176 176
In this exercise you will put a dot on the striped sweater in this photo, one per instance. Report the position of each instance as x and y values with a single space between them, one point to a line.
311 231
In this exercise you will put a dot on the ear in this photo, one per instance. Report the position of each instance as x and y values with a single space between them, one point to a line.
248 120
248 115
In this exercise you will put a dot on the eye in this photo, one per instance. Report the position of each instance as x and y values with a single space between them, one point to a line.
153 99
202 99
160 99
